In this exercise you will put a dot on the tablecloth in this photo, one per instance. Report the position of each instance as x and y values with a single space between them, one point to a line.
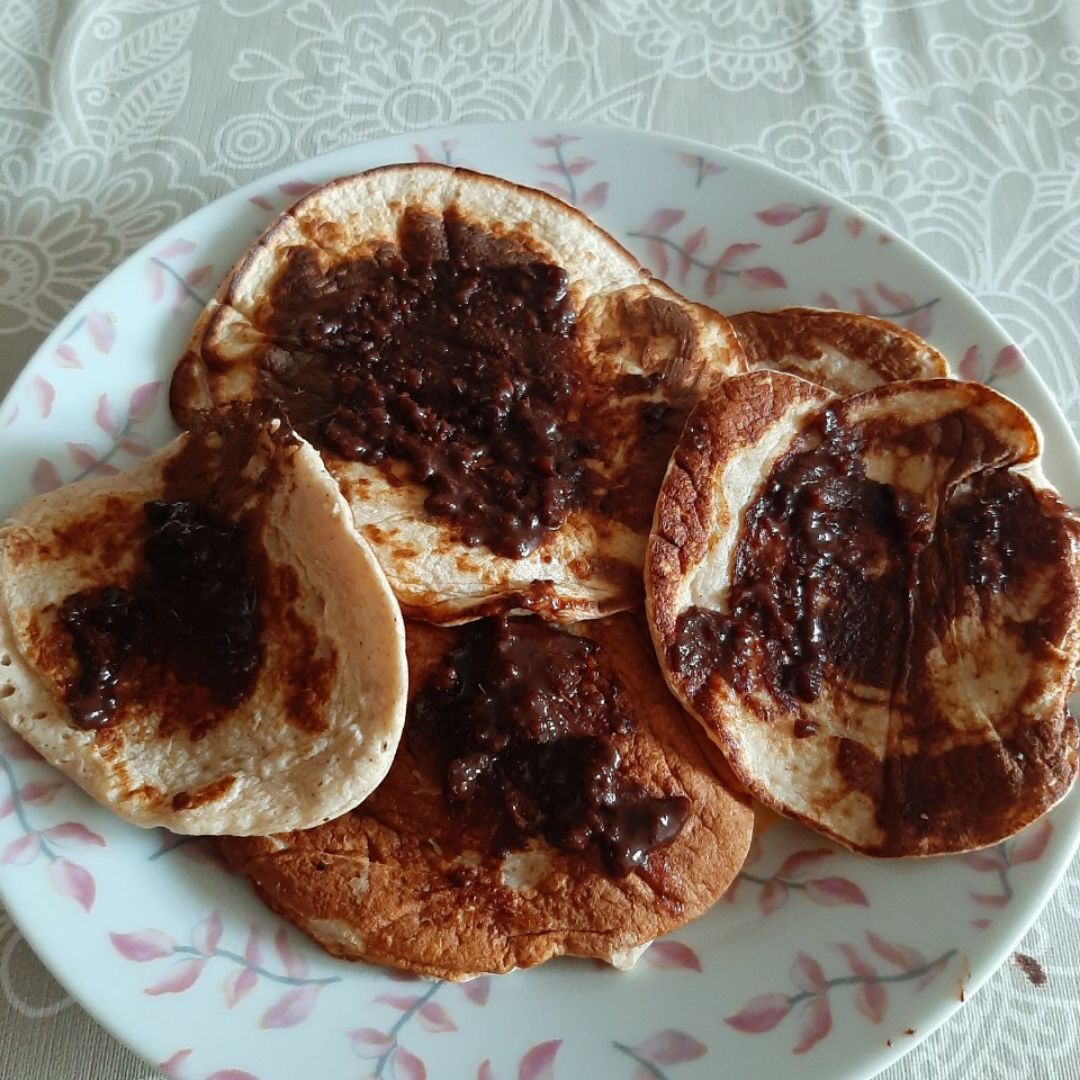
956 123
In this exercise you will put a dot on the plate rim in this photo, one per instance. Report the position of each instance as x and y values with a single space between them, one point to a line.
1014 923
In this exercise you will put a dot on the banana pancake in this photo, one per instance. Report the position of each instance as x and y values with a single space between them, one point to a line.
871 604
204 642
548 798
495 383
841 350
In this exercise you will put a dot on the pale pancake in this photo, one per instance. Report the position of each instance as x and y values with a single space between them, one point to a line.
647 356
841 350
406 880
945 648
320 726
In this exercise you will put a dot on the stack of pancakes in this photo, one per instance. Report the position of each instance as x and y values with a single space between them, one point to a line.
651 560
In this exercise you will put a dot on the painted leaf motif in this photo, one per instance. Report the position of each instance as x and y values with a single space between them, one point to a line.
817 1023
671 1047
871 1001
67 357
660 221
695 241
44 477
142 401
296 188
969 364
1031 843
994 900
555 189
294 964
179 246
799 861
136 446
658 259
545 142
931 974
171 1067
819 220
182 978
70 879
773 896
156 276
103 417
407 1066
733 252
538 1063
207 934
238 985
44 395
232 1074
22 851
148 47
253 947
477 990
292 1008
422 154
143 945
151 104
827 300
866 305
370 1042
901 956
485 1072
1009 361
989 861
857 964
264 204
762 277
39 792
672 954
781 214
398 1001
71 832
854 225
82 454
594 197
835 891
200 274
920 322
7 807
807 975
760 1014
898 300
434 1018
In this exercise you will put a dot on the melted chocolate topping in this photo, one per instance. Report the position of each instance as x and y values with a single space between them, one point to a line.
192 609
523 720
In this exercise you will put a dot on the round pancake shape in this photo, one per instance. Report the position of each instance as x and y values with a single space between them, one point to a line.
317 726
841 350
638 356
872 605
409 880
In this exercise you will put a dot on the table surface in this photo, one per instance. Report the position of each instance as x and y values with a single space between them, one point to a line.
956 123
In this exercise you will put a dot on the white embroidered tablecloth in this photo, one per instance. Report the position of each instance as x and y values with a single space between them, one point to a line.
954 121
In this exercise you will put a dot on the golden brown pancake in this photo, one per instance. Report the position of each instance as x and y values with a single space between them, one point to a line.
420 880
495 383
840 350
871 605
204 642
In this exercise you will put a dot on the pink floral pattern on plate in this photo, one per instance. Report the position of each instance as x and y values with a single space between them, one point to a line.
667 1047
812 989
1008 361
174 1068
888 303
1028 847
570 167
813 219
802 874
292 1008
127 442
67 877
689 255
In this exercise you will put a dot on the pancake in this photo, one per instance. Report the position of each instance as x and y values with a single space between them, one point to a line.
840 350
495 383
871 605
204 642
450 885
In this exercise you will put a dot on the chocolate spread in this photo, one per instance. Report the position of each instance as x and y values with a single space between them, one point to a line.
523 720
454 357
192 609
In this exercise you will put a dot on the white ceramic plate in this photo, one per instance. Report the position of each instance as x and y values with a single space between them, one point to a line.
820 964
